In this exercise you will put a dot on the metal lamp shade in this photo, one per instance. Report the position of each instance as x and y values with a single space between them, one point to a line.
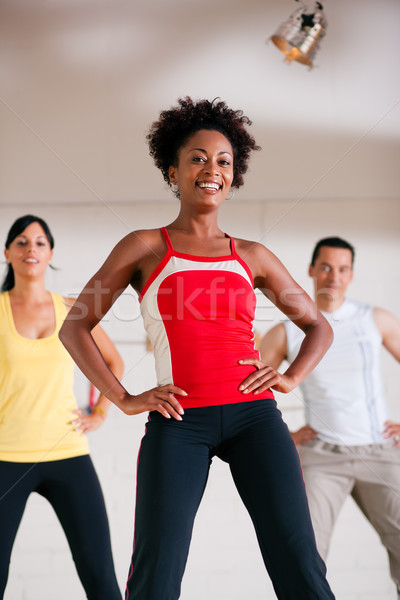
298 37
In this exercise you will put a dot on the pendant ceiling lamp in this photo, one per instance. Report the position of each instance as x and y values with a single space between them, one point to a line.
299 36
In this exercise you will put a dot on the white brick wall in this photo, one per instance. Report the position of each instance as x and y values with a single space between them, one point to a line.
224 561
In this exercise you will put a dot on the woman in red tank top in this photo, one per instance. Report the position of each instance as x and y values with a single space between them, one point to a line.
213 398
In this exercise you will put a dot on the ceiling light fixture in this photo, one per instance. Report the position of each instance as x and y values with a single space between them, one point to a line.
298 37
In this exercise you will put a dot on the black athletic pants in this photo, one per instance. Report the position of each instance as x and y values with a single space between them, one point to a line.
173 466
73 489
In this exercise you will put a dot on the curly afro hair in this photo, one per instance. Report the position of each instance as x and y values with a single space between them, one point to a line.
167 135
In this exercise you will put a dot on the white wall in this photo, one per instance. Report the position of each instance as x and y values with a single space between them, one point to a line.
224 559
82 80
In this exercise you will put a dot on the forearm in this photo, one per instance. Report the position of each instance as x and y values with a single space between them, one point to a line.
112 359
102 405
81 346
318 338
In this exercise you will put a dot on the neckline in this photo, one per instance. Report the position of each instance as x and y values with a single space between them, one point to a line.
198 257
335 313
14 328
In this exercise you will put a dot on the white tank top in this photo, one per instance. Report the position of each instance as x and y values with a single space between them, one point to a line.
344 399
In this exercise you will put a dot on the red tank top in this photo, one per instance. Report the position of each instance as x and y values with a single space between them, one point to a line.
198 313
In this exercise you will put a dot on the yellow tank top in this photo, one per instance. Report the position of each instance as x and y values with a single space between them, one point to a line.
36 393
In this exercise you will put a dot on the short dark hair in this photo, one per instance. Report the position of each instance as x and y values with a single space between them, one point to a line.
15 230
332 242
174 127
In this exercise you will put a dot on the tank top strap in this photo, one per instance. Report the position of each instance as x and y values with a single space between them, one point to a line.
3 305
60 310
5 310
167 239
232 243
240 259
171 248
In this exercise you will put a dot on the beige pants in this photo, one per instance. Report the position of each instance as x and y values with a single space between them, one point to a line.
371 475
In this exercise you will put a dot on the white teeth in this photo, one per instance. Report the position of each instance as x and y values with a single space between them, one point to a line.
210 186
31 260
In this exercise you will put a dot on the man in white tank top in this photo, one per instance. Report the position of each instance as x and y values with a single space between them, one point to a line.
348 446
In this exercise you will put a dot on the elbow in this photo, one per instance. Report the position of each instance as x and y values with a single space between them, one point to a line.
331 335
328 332
323 330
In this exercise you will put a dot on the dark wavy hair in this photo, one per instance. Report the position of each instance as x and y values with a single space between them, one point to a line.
16 229
167 135
332 242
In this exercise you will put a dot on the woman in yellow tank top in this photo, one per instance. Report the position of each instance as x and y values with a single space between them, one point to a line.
42 446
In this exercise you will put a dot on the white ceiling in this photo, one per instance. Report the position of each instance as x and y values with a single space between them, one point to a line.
81 81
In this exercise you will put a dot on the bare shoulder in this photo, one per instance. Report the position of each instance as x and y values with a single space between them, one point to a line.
134 258
136 249
259 259
251 248
385 320
141 242
389 328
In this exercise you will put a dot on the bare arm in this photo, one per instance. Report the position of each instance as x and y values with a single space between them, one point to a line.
273 351
389 328
276 283
118 271
273 348
112 359
86 422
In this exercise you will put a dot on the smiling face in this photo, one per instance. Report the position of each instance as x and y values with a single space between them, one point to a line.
30 252
332 272
204 172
